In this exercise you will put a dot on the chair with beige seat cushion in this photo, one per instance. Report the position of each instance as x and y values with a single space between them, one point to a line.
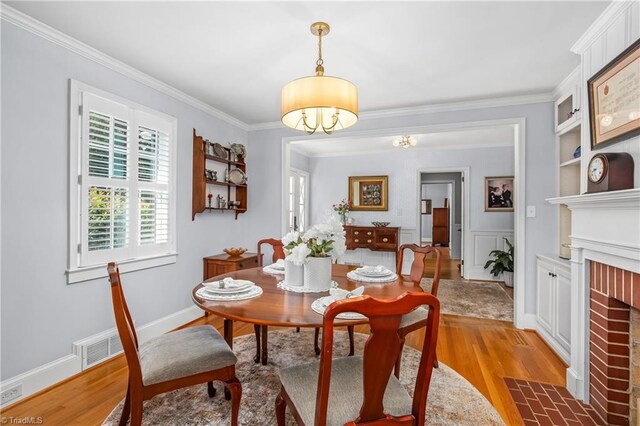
357 390
172 361
415 320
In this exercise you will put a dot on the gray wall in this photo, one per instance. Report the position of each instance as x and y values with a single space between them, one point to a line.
42 315
540 232
456 177
299 161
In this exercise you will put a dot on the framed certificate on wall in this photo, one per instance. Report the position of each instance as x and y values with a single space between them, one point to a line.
614 99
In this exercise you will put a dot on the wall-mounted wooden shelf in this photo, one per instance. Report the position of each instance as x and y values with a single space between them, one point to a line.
200 182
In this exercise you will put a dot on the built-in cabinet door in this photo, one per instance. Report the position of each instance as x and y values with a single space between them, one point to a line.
545 296
562 330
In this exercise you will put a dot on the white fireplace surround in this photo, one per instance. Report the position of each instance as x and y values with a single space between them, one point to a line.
605 229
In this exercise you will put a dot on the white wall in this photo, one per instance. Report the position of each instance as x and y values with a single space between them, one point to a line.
299 161
540 175
42 315
329 177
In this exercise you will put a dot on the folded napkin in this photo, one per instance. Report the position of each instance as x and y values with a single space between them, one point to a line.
339 294
378 269
228 283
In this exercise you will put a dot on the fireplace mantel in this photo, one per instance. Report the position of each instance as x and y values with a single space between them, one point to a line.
605 228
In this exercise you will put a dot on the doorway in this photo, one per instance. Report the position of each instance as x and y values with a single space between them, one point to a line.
298 212
442 213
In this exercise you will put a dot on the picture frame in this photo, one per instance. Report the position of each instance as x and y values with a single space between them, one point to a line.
614 99
368 193
425 206
498 194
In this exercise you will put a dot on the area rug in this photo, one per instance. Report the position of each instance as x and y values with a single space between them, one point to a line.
473 299
452 399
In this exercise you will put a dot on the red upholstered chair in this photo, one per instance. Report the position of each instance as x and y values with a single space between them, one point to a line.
277 247
175 360
362 390
417 318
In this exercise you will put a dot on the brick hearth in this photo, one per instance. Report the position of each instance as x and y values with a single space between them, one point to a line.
612 294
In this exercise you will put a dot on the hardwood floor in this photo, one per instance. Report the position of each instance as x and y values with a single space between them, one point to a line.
483 351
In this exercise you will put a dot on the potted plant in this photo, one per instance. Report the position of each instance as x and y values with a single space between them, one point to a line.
502 262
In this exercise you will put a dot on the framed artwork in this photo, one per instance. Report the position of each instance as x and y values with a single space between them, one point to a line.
368 193
498 194
614 99
425 207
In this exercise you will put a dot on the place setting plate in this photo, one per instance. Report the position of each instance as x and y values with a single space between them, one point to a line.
321 304
241 290
372 274
276 268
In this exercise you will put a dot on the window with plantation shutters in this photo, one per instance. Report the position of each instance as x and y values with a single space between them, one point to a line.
125 168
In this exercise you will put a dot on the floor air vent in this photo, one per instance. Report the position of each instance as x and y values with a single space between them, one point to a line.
98 348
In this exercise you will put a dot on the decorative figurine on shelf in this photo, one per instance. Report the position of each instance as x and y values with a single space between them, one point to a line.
239 151
226 175
210 196
214 175
220 201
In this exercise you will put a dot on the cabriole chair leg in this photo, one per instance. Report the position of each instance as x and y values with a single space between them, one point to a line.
211 390
281 407
235 389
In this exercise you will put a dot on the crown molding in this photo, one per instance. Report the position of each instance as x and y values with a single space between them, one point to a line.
48 33
568 80
600 25
435 108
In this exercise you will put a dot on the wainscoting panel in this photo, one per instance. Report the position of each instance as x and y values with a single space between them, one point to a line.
482 243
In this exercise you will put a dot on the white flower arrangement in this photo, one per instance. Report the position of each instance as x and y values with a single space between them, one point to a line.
326 239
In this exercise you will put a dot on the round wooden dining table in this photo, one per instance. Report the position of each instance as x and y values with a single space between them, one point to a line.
281 308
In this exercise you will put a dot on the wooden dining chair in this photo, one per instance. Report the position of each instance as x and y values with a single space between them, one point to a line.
175 360
276 246
362 390
416 319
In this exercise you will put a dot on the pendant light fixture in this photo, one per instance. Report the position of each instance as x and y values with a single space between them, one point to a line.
405 142
320 101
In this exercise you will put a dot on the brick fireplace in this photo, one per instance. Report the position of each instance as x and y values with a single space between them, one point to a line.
605 298
611 377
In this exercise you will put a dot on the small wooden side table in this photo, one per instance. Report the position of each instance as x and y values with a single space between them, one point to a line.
223 264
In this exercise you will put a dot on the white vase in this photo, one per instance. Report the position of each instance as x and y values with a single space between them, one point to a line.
507 277
317 273
293 274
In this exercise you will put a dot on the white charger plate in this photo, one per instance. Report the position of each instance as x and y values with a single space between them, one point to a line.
254 291
321 304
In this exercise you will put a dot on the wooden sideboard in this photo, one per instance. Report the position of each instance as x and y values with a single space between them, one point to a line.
223 263
372 238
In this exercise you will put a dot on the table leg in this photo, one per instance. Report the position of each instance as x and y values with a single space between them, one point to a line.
228 332
256 329
351 344
264 329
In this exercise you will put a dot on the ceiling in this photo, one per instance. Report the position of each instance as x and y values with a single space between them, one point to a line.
236 56
483 137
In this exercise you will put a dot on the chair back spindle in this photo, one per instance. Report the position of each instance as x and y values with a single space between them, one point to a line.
417 266
277 247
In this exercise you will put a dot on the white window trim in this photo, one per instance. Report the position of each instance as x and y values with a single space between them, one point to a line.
74 272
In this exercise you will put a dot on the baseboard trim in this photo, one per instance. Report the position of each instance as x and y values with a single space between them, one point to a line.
575 386
49 374
529 322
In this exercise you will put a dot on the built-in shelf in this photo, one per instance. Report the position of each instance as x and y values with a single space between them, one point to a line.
223 160
217 182
226 209
572 162
627 198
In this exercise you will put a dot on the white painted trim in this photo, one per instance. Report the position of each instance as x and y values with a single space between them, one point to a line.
434 108
559 350
87 273
60 369
568 81
530 322
519 210
48 33
391 148
625 199
600 25
476 271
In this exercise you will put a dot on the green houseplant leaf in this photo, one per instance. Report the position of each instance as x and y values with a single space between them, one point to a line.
502 261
